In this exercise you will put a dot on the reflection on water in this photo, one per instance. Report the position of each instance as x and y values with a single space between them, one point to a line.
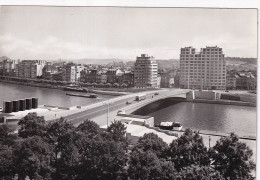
214 117
9 92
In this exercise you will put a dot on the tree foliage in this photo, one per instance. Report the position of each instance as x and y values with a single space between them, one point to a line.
118 130
32 125
101 158
6 136
33 158
188 150
146 165
88 127
196 172
153 143
232 158
7 166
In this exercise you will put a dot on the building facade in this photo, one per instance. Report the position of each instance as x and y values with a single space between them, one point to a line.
30 68
203 70
145 72
7 67
70 73
246 81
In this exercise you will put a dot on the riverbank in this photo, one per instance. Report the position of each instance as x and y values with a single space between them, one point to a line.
225 102
112 91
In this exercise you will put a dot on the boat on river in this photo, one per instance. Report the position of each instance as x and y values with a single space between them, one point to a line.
75 88
82 95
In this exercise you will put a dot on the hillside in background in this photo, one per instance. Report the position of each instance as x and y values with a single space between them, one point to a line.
238 60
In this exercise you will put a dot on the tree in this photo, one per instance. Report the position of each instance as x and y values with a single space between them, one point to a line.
154 143
7 166
100 158
199 173
232 158
146 165
117 129
6 136
188 150
68 162
33 158
88 127
60 134
32 125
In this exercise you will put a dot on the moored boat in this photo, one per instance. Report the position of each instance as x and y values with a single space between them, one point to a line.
75 88
82 95
170 126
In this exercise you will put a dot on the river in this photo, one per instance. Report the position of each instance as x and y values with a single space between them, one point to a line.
214 117
57 97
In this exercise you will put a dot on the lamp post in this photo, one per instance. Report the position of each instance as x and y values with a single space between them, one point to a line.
107 113
209 141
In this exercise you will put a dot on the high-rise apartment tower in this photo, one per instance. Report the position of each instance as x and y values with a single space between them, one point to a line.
203 70
145 72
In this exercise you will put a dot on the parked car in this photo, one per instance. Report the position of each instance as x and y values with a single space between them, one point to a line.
156 93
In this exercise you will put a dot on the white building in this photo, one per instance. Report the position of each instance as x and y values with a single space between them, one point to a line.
203 70
145 72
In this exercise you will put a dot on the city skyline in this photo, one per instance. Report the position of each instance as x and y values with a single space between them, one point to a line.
115 32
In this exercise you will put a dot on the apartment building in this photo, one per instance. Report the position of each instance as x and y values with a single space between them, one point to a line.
7 67
70 73
203 70
30 68
145 72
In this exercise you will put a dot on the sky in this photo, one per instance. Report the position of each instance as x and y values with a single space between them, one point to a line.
45 32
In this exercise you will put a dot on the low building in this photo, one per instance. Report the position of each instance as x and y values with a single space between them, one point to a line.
126 78
246 81
112 75
137 126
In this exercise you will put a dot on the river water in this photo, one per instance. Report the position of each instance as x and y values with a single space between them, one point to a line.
213 117
57 97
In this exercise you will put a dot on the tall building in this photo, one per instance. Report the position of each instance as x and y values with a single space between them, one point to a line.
145 72
203 70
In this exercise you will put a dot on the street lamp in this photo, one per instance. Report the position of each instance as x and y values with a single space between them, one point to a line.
209 141
107 113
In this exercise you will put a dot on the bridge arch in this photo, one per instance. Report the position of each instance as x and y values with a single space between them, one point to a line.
152 106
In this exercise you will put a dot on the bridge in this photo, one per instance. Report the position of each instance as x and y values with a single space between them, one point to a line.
102 112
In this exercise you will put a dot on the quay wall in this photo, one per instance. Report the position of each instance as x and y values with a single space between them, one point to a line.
225 102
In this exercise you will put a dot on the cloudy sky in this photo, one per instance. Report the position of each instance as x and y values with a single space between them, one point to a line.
34 32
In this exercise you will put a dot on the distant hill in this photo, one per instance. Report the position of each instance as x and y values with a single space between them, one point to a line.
238 60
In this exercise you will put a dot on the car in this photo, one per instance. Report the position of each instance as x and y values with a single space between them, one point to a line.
226 90
120 112
128 102
156 93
